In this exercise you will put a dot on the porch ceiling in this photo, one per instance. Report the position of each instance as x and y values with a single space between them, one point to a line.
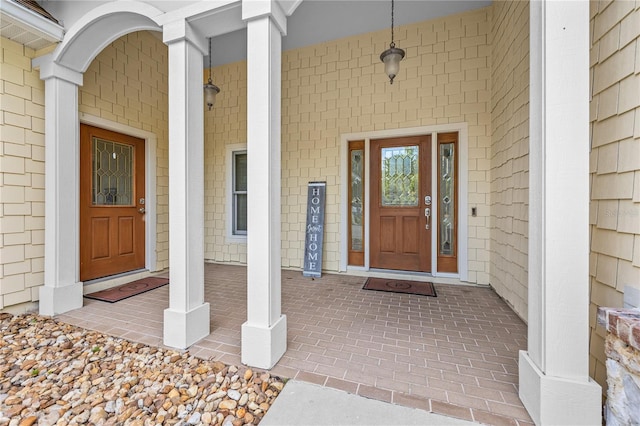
317 21
314 21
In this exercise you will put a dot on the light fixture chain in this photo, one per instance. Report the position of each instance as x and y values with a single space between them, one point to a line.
392 37
210 60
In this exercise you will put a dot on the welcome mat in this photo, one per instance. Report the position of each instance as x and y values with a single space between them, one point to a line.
400 286
125 291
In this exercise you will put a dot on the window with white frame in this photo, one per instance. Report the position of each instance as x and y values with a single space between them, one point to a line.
239 193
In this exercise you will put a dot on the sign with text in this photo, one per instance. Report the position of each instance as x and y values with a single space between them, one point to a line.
314 230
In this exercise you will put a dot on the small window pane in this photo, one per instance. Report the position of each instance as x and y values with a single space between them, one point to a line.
239 192
241 172
241 214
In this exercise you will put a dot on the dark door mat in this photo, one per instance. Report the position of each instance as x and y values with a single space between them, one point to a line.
400 286
125 291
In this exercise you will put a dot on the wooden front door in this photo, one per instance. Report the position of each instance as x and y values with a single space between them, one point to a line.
112 203
400 233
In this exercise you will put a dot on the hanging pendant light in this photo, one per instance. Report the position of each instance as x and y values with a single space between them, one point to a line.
210 89
393 55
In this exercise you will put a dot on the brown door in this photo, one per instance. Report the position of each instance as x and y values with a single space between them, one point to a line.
400 233
112 201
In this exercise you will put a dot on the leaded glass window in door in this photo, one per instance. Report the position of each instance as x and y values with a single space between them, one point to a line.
399 176
112 172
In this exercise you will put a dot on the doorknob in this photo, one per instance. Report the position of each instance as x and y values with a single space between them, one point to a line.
142 210
427 214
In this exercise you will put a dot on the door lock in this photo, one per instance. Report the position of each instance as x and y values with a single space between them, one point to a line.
427 214
427 200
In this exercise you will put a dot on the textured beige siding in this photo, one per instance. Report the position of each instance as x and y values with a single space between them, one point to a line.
339 87
615 162
328 89
510 152
21 178
127 83
225 125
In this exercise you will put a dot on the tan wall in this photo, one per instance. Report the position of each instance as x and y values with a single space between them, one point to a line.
225 125
328 89
510 152
615 162
127 83
21 178
339 87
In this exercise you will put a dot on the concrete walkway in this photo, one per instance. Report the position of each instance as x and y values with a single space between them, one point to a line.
302 403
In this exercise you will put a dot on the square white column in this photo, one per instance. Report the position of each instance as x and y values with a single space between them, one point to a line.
62 289
554 371
187 319
264 335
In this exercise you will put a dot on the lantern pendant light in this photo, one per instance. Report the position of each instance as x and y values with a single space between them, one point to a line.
210 89
393 55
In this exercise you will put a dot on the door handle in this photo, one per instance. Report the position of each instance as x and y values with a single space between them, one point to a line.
142 210
427 214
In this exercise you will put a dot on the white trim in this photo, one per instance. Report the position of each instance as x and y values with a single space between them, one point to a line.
463 190
463 199
554 385
105 23
229 235
367 203
151 142
38 24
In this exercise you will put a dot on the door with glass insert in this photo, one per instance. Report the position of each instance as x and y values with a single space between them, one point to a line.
400 207
112 203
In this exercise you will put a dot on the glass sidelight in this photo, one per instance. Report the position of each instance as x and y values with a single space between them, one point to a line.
447 202
356 203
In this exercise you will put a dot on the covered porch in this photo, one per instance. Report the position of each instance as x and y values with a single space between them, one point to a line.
551 379
455 354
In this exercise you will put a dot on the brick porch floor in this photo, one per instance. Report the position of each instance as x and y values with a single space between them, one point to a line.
455 354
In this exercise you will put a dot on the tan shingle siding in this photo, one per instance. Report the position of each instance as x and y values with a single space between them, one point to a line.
22 176
615 161
509 152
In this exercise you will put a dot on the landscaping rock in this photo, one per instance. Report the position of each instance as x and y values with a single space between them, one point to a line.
55 373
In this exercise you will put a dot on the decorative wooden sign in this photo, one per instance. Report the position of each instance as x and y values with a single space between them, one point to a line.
316 195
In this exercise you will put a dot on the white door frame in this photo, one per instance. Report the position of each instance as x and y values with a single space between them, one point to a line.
463 179
150 145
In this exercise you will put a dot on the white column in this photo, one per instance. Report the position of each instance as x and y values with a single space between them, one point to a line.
554 371
62 289
187 319
264 335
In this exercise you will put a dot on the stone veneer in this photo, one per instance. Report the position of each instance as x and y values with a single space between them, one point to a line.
622 348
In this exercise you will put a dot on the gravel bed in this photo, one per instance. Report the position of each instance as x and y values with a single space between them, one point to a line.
52 373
